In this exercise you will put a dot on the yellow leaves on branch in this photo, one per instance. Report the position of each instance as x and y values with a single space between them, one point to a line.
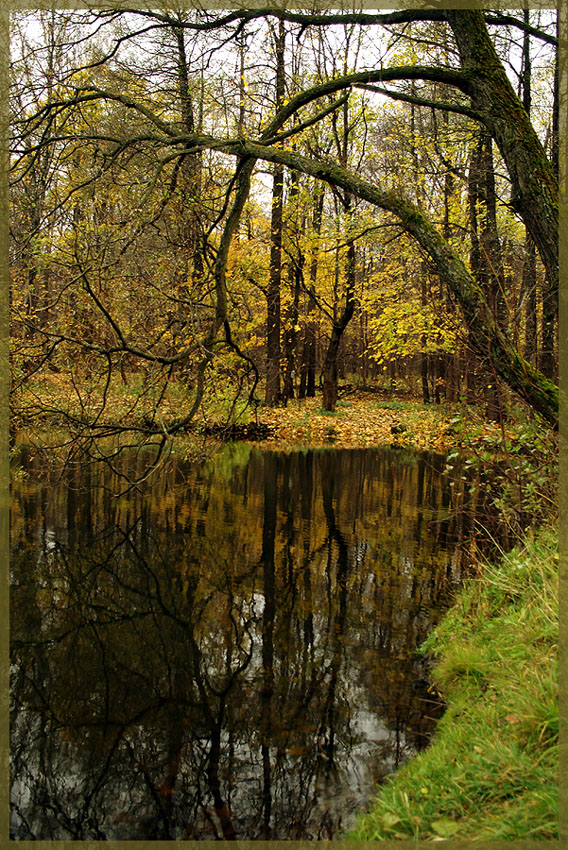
405 328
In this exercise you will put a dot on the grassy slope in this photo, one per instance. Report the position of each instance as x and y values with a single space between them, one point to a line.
491 771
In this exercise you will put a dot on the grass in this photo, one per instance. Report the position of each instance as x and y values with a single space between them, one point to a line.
491 770
395 405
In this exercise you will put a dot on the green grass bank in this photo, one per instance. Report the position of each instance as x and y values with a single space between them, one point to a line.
491 771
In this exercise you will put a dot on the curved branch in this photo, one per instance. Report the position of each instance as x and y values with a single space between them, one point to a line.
130 103
299 128
448 76
498 18
523 378
303 18
421 101
362 18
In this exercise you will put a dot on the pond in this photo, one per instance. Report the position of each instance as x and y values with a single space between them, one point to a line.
227 651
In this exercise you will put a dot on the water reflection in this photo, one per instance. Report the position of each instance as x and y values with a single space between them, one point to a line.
229 653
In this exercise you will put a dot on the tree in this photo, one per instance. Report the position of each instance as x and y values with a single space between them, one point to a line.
475 87
276 222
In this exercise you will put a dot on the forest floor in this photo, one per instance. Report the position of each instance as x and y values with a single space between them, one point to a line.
362 419
491 771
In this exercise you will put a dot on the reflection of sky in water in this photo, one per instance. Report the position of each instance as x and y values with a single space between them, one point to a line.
232 648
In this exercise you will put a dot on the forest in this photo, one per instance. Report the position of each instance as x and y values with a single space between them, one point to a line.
256 206
284 408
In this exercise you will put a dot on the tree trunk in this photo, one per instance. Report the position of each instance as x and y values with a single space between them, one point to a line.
330 363
191 168
535 187
272 393
548 363
308 375
296 262
424 354
485 256
308 372
529 267
291 334
529 295
549 318
339 325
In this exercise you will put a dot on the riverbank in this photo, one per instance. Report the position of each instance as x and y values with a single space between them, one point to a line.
491 770
362 419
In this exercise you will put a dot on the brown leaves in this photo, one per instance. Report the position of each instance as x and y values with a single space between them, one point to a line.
361 422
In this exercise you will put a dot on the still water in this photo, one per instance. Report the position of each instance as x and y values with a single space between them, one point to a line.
229 650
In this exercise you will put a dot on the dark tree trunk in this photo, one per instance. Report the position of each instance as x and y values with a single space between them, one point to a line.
308 371
295 275
555 147
548 363
469 376
424 355
529 294
308 374
273 292
191 171
330 363
535 188
439 378
329 372
529 267
549 319
272 394
486 260
291 334
450 365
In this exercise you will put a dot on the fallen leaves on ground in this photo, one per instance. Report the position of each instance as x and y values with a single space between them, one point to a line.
360 423
363 420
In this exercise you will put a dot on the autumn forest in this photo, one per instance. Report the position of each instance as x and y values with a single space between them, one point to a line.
284 348
254 207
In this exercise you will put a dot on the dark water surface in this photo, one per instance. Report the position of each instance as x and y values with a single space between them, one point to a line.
228 651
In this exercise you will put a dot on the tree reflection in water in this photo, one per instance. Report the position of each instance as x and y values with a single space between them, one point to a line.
228 653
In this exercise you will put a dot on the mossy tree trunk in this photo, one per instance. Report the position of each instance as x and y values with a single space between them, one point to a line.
485 256
535 190
529 265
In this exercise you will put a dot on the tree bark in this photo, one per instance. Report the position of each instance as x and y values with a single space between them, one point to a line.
272 392
191 168
485 256
308 373
330 363
535 187
529 294
529 266
295 265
